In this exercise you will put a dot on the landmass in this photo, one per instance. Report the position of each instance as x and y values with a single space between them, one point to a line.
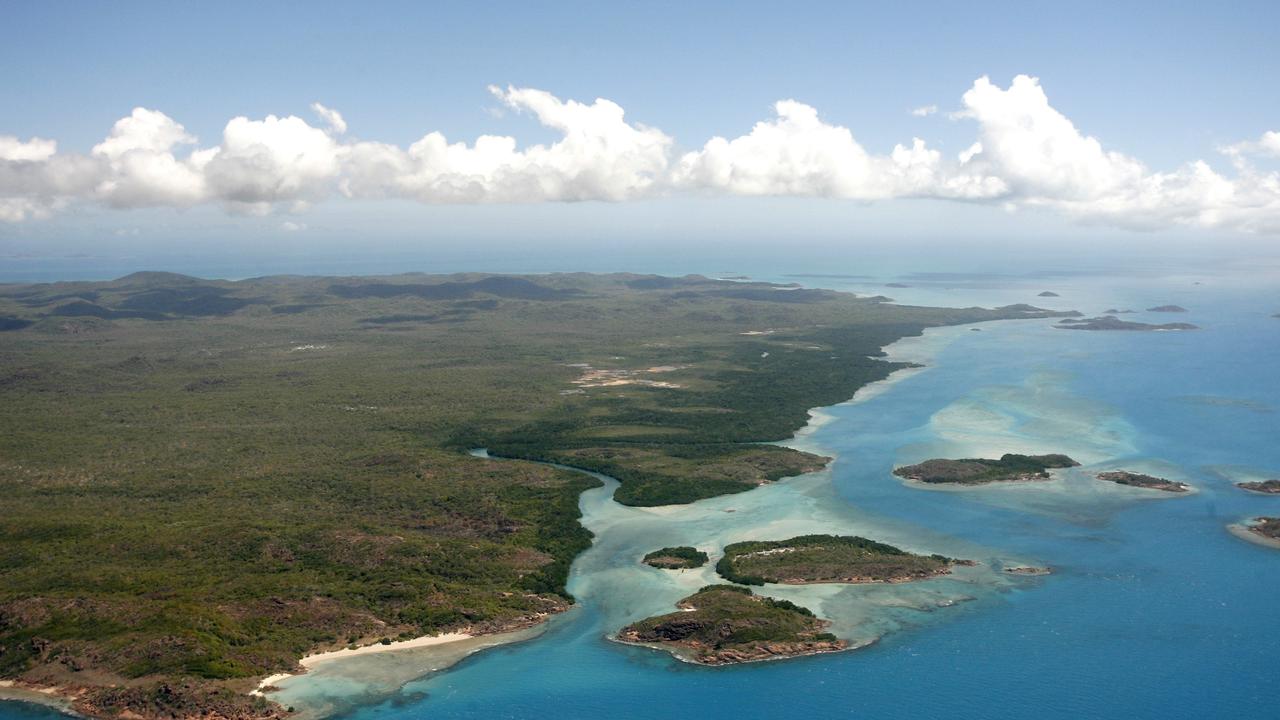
1261 531
1109 322
1113 311
1266 487
1124 477
1010 467
676 558
1267 527
1027 570
896 285
1167 309
726 624
206 480
1048 293
827 559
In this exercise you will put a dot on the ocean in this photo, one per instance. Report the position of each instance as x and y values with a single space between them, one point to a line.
1153 609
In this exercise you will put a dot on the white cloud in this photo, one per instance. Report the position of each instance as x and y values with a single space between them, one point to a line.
331 117
599 156
924 110
292 227
797 153
1026 154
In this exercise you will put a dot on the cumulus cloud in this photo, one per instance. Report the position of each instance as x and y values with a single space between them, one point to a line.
797 153
331 117
1026 153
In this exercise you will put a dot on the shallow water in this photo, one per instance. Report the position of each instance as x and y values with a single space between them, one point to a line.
1154 609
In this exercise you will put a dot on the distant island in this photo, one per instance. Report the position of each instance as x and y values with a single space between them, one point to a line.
1124 477
676 558
827 559
1108 322
1113 311
1261 530
1048 293
1265 487
1010 467
1167 308
1267 527
726 624
896 285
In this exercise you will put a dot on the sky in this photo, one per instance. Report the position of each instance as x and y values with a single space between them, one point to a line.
153 128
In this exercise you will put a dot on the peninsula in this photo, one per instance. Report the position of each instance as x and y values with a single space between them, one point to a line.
1010 467
1110 322
1124 477
726 624
827 559
279 465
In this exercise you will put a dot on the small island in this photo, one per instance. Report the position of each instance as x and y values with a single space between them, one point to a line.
1048 293
1124 477
896 285
1167 308
812 559
724 624
1265 487
1110 322
1026 570
676 558
1010 467
1113 311
1260 531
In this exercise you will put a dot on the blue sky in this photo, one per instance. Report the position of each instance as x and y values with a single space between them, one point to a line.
1162 84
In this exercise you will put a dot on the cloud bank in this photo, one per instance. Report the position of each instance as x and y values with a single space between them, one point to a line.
1025 154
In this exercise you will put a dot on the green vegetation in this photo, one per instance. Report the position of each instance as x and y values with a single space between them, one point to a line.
976 471
676 558
1266 487
723 624
205 480
1267 527
1124 477
825 559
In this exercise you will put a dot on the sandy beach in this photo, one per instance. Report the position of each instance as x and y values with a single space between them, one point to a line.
1244 532
311 661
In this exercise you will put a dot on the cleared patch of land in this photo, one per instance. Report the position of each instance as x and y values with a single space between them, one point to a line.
826 559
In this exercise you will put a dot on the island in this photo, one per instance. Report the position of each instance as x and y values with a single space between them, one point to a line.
1267 527
727 624
1132 479
1113 311
827 559
1011 467
1264 487
1167 309
1110 322
676 558
1260 531
1026 570
281 466
1048 293
896 285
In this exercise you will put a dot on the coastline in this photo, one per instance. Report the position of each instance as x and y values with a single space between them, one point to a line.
51 697
1246 532
310 661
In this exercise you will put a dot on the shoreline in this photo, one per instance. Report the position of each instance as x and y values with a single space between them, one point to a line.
54 698
1247 533
309 661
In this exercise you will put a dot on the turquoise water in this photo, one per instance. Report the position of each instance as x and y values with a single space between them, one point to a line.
1154 610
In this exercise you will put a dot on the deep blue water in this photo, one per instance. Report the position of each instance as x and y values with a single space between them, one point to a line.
1154 609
